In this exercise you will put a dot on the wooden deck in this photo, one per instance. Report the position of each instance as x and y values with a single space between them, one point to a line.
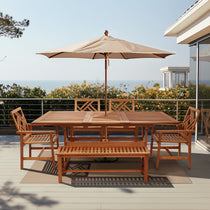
13 195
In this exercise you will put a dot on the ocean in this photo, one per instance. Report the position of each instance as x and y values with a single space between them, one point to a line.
49 85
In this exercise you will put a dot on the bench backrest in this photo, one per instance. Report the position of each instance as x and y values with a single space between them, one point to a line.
19 119
87 105
121 105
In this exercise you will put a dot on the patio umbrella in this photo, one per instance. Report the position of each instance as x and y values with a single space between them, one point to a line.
106 47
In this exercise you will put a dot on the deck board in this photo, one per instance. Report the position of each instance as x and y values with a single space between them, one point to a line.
61 196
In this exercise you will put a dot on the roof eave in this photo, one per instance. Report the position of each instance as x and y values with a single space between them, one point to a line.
188 18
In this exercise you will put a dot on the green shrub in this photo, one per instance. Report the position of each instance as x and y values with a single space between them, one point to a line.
95 90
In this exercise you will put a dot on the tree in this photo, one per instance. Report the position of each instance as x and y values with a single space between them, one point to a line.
10 27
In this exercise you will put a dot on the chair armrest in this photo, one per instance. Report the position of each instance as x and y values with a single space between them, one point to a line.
181 126
36 132
30 125
173 131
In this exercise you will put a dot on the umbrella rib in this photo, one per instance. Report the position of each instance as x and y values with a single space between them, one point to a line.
56 54
158 55
94 56
123 56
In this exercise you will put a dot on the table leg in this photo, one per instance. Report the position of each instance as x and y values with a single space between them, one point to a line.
106 134
65 135
71 133
145 136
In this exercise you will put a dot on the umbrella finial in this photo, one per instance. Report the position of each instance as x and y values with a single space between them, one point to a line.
106 33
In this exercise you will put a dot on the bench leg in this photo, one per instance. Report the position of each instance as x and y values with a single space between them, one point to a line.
158 154
151 146
59 169
29 150
146 166
189 155
21 155
142 165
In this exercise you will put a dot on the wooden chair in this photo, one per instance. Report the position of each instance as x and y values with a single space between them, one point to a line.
205 113
126 105
121 105
29 137
86 105
167 138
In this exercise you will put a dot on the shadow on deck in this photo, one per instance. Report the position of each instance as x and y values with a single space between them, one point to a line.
9 193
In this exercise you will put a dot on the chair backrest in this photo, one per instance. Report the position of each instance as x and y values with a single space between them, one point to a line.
19 119
205 113
191 118
87 105
121 105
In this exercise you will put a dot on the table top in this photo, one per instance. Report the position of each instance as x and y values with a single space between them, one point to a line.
60 118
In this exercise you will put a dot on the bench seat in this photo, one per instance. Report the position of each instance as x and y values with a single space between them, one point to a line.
103 149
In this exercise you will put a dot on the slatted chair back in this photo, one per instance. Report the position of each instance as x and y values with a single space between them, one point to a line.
121 105
87 105
205 113
19 119
191 118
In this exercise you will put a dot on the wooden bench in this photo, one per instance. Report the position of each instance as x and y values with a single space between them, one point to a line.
103 149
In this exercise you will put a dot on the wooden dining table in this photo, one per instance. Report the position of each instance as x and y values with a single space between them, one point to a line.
105 146
67 119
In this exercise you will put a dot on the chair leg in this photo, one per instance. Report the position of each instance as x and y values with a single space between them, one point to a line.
57 142
151 146
52 151
158 155
207 134
179 149
29 150
102 132
142 131
151 143
21 155
136 132
146 166
72 134
53 158
189 155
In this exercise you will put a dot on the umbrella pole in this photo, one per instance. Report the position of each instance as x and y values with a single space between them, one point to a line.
105 84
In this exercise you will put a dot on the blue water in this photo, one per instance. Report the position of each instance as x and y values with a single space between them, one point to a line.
48 85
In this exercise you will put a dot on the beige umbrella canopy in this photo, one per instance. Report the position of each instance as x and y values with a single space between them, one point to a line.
106 47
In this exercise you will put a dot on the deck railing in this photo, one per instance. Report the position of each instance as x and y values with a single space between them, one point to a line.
35 107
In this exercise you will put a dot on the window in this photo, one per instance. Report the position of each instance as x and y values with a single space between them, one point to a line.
192 74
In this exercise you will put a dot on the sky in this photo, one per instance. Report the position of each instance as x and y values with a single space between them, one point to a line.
57 23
